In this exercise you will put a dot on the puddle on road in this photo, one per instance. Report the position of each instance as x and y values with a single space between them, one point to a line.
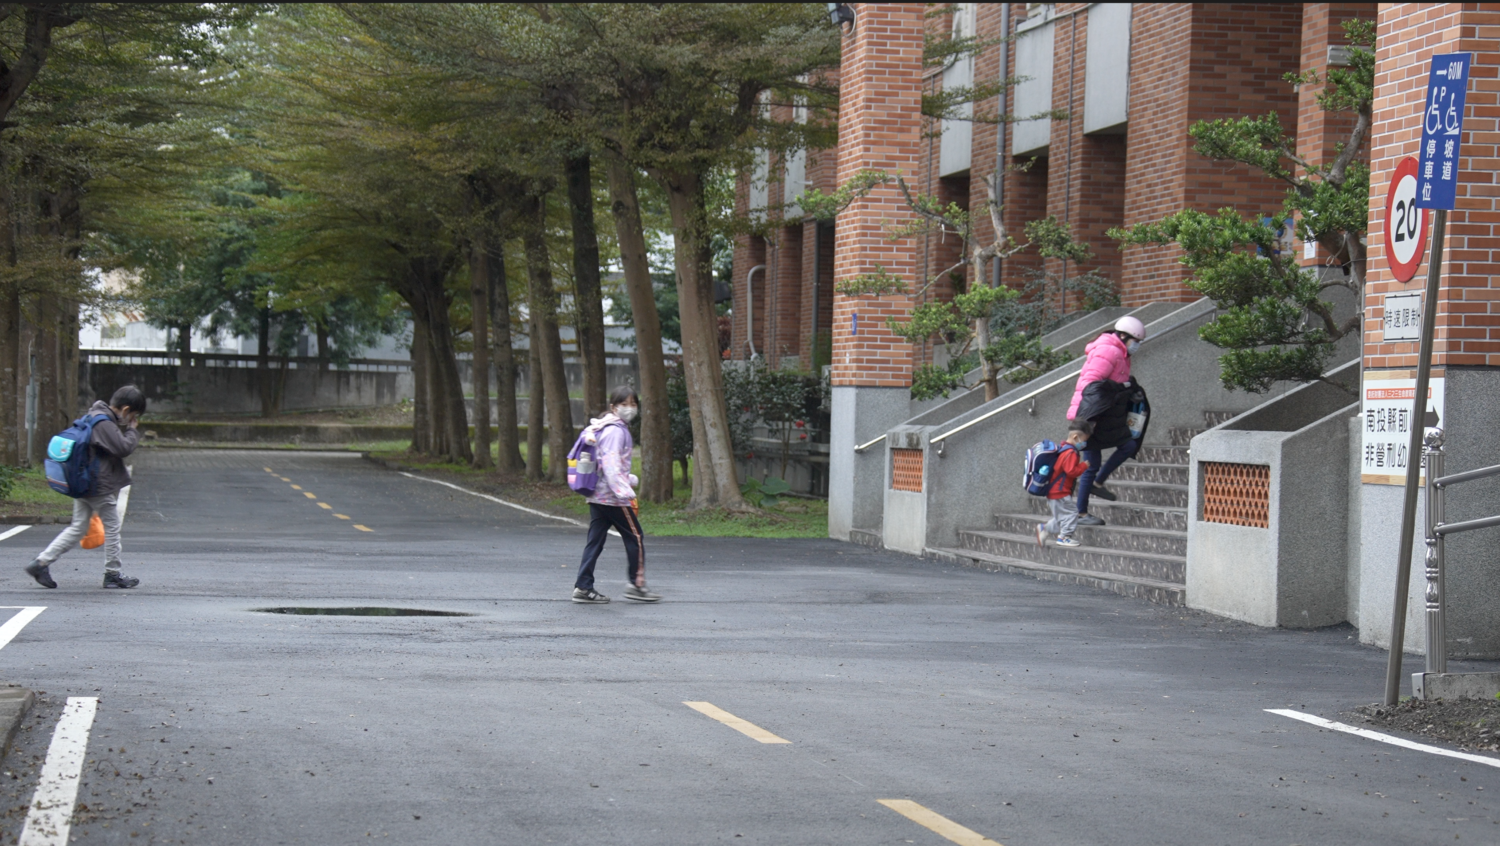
361 612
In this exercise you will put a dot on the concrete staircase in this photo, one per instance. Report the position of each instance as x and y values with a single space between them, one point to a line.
1141 552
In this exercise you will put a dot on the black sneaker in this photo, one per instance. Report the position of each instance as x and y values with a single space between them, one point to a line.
641 594
1102 492
113 579
589 597
39 571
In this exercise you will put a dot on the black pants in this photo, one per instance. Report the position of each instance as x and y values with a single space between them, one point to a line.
624 520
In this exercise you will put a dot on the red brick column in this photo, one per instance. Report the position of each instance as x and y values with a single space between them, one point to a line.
879 128
1318 130
1468 315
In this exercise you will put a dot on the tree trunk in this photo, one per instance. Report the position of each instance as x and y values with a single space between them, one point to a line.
421 418
45 342
714 477
263 364
323 352
184 346
656 426
68 358
424 290
479 297
504 357
12 421
587 294
547 340
536 405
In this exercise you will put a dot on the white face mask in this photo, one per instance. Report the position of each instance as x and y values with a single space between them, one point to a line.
626 412
1132 346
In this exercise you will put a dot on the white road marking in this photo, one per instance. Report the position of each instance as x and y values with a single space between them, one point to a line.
51 813
13 532
494 499
1384 738
13 626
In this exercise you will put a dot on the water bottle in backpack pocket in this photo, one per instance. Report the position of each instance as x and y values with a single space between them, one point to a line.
1041 467
71 466
1135 420
583 463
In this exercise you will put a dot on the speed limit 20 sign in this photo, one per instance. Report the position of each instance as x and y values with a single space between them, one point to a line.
1405 224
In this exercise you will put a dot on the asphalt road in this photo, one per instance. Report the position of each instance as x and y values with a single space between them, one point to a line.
1024 711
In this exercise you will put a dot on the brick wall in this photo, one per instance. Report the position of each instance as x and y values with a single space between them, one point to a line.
1468 308
879 127
1318 130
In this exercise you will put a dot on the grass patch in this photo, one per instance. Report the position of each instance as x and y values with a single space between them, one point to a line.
792 517
32 497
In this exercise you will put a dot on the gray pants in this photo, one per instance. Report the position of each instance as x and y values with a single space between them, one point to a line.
1064 516
84 508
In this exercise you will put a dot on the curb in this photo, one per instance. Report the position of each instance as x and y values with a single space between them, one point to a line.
15 704
32 520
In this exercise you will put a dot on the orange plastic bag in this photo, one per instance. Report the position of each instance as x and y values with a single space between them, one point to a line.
95 538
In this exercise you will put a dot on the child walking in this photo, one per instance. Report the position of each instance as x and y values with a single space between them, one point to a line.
1070 465
114 438
613 504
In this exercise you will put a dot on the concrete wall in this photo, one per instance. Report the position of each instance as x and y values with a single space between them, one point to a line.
1472 399
235 390
856 479
1293 572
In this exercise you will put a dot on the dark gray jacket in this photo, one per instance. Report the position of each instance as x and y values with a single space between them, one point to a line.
111 442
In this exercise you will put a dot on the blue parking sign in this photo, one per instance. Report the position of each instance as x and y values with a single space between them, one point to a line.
1442 128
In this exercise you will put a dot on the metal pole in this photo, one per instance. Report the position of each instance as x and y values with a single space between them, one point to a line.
1419 411
1437 642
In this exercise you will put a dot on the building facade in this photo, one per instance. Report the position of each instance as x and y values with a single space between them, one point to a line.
1103 99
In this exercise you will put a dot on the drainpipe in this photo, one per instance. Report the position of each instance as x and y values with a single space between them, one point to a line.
1000 128
750 307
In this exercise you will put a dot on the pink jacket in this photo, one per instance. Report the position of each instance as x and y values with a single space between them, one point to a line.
1107 359
616 482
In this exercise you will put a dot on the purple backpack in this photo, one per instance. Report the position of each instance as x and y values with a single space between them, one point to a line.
583 461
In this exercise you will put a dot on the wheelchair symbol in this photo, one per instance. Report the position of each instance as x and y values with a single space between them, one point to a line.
1451 121
1434 117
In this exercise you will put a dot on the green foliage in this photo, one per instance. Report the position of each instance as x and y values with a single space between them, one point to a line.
8 478
764 494
879 283
1274 320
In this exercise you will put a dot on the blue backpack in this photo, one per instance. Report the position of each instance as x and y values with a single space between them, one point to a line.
1041 461
71 465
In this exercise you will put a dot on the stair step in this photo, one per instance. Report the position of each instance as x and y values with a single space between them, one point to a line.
1122 538
1149 493
1160 454
1138 471
1182 436
867 537
1164 593
1094 559
1131 514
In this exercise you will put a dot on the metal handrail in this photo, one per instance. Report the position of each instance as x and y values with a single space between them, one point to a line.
1467 476
1465 526
863 447
1039 391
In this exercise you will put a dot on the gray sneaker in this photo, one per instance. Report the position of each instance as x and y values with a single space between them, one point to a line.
1089 520
39 571
589 597
115 579
641 594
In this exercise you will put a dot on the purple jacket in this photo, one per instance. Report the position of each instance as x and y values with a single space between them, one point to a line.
1108 358
616 484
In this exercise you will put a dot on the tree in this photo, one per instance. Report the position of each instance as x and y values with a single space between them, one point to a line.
1273 319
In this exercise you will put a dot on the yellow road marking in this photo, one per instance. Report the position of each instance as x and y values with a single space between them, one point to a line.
296 487
309 496
748 729
283 478
342 516
937 823
363 528
325 505
269 470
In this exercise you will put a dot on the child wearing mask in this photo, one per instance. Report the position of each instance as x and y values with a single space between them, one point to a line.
613 503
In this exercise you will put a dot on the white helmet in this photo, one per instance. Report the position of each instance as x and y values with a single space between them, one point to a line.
1131 326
